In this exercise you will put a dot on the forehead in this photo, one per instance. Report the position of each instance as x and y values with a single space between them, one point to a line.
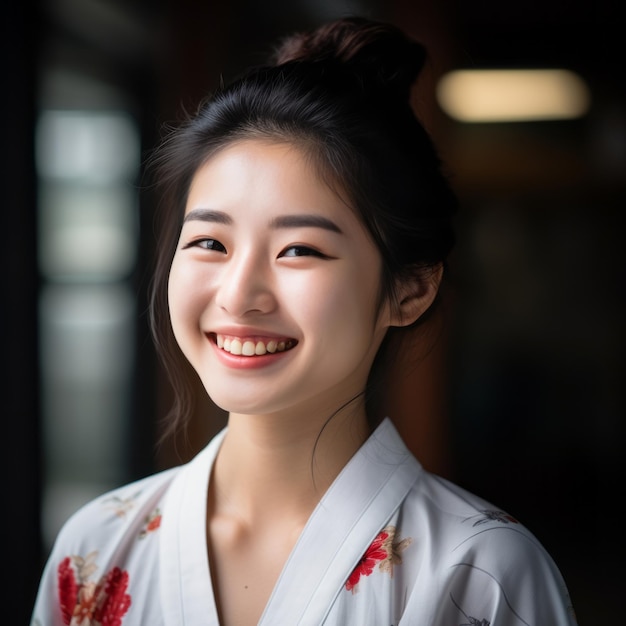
249 152
267 174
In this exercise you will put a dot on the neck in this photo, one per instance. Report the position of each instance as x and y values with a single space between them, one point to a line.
271 466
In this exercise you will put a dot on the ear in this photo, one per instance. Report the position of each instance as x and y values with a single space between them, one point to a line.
416 294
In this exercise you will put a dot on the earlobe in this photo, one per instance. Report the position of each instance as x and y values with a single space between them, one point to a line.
415 295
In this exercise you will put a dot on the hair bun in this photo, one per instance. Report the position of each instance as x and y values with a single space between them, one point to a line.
380 54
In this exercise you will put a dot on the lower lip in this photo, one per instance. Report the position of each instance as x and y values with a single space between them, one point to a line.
248 362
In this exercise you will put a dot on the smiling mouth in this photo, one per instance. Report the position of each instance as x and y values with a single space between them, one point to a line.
253 347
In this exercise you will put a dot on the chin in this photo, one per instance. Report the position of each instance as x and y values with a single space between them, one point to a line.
238 403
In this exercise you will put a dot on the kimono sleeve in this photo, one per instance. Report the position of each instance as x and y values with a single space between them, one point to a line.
504 577
102 561
47 610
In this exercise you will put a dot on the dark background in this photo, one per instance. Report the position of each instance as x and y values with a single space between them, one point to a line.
523 399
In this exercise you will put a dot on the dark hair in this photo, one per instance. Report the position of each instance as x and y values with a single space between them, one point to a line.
342 94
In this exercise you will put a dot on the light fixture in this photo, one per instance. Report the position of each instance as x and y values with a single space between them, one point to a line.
513 95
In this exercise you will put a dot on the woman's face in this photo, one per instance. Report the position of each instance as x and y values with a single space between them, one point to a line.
274 285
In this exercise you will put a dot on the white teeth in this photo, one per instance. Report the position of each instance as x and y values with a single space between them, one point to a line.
249 347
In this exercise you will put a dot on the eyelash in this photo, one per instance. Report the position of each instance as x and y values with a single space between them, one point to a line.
207 244
217 246
302 251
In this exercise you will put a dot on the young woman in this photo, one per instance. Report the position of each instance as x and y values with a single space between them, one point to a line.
308 227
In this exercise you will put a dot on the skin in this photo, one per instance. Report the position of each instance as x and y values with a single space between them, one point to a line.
269 253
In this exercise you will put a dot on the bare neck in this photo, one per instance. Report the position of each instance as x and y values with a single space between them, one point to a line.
271 466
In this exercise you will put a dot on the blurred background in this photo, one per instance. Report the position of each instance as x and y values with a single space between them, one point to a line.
521 398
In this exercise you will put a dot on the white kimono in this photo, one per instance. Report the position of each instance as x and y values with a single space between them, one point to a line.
388 545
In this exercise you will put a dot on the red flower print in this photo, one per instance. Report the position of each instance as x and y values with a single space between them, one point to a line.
68 589
116 601
384 552
152 522
373 555
86 603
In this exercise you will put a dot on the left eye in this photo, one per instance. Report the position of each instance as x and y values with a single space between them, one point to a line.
301 251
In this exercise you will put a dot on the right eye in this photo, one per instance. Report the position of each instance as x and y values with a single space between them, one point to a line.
207 244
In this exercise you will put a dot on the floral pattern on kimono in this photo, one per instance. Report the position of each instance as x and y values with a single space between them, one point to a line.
85 602
152 523
389 543
384 552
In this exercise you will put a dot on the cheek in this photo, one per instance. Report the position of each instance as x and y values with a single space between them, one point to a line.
185 295
338 307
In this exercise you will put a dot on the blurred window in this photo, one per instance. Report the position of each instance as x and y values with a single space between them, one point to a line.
87 164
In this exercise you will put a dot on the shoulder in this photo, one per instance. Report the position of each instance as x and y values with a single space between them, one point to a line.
480 545
484 562
463 521
452 522
107 548
107 519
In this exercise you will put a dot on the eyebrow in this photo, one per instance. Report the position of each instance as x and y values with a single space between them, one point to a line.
298 220
305 220
208 215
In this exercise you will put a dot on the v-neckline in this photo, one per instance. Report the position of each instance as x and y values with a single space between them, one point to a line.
347 519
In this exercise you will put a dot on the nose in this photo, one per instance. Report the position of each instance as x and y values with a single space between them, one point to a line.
245 286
